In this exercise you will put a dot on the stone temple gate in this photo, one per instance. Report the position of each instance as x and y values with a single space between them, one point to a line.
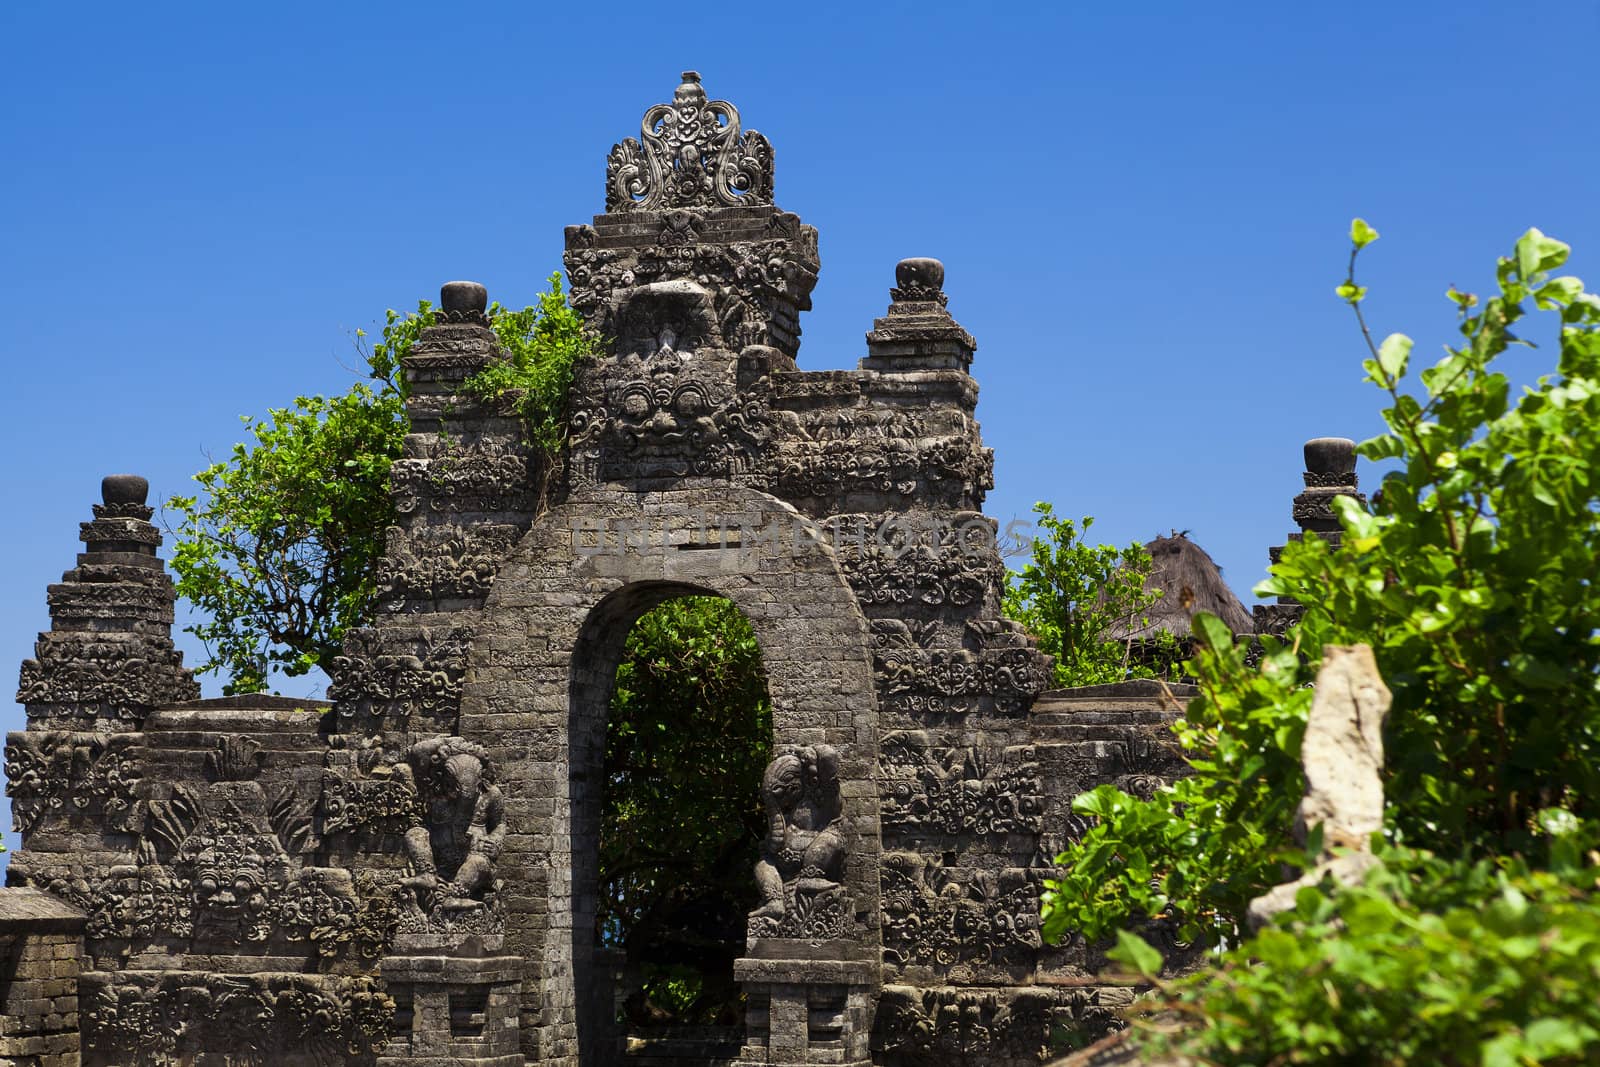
407 875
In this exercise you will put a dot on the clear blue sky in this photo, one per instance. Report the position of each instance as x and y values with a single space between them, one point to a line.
1142 210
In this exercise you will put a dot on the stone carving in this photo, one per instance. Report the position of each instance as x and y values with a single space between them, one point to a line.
372 681
447 562
493 474
115 676
935 917
965 791
453 846
919 280
948 471
741 278
901 560
693 155
164 1019
57 770
365 791
947 681
801 870
945 1026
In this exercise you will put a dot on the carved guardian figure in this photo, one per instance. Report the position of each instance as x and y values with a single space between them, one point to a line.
801 870
453 849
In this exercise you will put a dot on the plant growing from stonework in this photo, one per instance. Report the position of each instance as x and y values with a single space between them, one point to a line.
1070 593
1472 577
543 342
279 550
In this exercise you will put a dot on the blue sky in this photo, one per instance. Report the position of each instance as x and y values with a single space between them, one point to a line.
1142 210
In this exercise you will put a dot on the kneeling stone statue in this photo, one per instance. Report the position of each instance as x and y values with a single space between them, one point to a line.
801 870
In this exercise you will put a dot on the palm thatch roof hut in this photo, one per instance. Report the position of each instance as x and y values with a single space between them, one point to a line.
1189 581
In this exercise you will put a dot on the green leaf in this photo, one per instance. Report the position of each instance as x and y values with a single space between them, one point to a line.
1135 953
1536 252
1361 234
1393 355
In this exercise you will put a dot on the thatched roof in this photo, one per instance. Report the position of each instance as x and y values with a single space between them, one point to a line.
1189 582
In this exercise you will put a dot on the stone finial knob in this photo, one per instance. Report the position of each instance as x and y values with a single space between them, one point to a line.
124 489
1330 455
919 273
458 297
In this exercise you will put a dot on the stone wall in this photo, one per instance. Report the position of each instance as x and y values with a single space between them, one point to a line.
41 952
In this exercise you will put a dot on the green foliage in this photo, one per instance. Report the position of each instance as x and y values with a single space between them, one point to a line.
1429 962
1472 578
1070 593
544 343
681 824
280 549
1203 849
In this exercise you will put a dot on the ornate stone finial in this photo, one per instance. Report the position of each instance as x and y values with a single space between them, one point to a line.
1331 457
1330 472
693 154
918 279
456 298
124 489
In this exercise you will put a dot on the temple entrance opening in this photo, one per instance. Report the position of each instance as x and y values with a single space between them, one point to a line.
688 734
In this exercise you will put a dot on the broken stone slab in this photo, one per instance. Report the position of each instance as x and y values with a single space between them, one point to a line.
1343 758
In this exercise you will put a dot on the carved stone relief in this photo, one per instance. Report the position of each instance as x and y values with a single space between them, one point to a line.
941 681
801 870
386 675
170 1018
73 668
906 559
56 770
933 916
454 840
693 154
970 791
943 1026
447 562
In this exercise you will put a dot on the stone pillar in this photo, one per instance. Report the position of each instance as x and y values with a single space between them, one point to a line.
105 664
108 657
464 489
451 1012
816 1010
917 333
1330 472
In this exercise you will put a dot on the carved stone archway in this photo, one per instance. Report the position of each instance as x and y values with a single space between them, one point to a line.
539 681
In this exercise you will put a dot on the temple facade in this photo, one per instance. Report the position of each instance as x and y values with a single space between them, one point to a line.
407 873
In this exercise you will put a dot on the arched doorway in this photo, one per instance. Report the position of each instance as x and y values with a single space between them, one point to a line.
537 694
677 823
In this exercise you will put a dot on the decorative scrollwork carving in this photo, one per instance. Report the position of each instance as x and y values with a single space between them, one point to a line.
958 790
377 677
167 1018
692 153
960 1026
898 560
447 562
58 770
948 681
933 916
